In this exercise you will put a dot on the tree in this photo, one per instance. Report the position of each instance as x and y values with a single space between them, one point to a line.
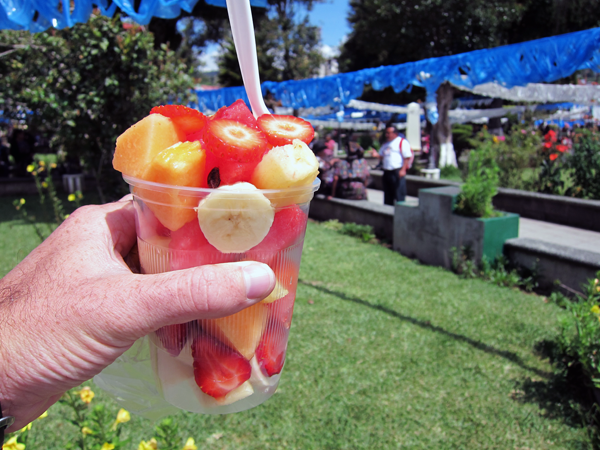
85 85
390 33
287 49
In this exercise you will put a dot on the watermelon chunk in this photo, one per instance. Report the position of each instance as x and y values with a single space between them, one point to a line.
288 227
239 112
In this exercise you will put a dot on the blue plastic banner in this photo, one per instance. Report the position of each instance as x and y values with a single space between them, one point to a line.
20 14
539 61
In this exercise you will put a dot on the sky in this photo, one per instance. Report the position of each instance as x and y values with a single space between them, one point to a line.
330 15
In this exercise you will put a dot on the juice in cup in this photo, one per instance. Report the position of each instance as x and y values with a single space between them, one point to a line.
214 190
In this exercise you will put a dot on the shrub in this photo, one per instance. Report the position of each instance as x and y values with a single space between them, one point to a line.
451 173
579 337
584 163
517 156
475 198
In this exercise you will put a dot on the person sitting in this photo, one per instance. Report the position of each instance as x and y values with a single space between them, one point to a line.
352 175
326 167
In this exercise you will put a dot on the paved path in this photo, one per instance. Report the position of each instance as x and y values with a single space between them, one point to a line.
535 229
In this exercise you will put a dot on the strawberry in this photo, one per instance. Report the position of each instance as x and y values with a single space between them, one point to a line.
218 369
239 112
187 120
282 130
270 352
232 140
173 337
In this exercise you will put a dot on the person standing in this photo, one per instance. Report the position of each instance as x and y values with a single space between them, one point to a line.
395 154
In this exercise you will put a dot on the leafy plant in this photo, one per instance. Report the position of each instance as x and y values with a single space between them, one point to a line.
552 173
83 86
450 173
475 198
517 156
45 186
584 163
500 272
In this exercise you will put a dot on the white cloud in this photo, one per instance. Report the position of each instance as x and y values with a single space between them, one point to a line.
329 52
209 58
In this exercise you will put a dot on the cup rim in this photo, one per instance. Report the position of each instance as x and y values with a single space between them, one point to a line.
137 182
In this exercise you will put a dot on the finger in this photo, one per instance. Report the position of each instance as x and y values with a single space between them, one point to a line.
120 219
127 198
144 303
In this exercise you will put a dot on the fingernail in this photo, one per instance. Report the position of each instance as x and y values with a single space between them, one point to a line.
259 280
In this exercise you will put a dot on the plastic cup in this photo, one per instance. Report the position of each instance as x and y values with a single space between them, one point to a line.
226 365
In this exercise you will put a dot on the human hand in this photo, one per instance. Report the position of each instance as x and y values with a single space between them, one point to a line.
73 306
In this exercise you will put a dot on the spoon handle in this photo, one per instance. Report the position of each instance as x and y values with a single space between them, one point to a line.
242 28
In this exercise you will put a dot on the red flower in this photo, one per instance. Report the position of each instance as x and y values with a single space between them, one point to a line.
547 145
550 136
562 148
553 156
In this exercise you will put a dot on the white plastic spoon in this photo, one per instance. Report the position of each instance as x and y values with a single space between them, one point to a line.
242 29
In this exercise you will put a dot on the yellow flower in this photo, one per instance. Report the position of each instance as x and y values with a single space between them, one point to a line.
122 417
44 415
595 281
42 163
150 445
26 428
53 165
85 431
22 201
71 197
86 395
190 445
12 444
30 168
107 446
44 184
495 139
595 309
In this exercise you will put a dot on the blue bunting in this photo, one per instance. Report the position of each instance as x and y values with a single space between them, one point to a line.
542 60
19 14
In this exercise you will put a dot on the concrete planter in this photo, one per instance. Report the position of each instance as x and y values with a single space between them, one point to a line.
429 231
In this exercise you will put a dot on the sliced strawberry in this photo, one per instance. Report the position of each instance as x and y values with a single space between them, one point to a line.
229 139
187 120
218 369
239 112
173 337
282 130
270 352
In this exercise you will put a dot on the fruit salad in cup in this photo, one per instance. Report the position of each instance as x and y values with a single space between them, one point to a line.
217 189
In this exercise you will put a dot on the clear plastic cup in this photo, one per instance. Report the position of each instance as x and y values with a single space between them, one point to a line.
219 366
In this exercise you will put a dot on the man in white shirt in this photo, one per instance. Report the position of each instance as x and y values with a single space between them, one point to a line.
396 155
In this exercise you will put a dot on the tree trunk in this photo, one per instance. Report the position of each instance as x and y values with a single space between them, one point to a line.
442 131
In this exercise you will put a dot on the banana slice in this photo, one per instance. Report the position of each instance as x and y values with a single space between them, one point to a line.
235 218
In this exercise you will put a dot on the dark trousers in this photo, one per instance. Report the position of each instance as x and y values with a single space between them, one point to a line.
394 187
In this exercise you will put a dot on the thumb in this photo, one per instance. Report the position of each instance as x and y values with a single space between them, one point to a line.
148 302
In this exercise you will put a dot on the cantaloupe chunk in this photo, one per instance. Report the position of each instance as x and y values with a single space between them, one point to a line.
141 142
182 164
242 330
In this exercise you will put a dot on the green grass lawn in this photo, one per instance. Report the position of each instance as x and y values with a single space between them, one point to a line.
384 353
